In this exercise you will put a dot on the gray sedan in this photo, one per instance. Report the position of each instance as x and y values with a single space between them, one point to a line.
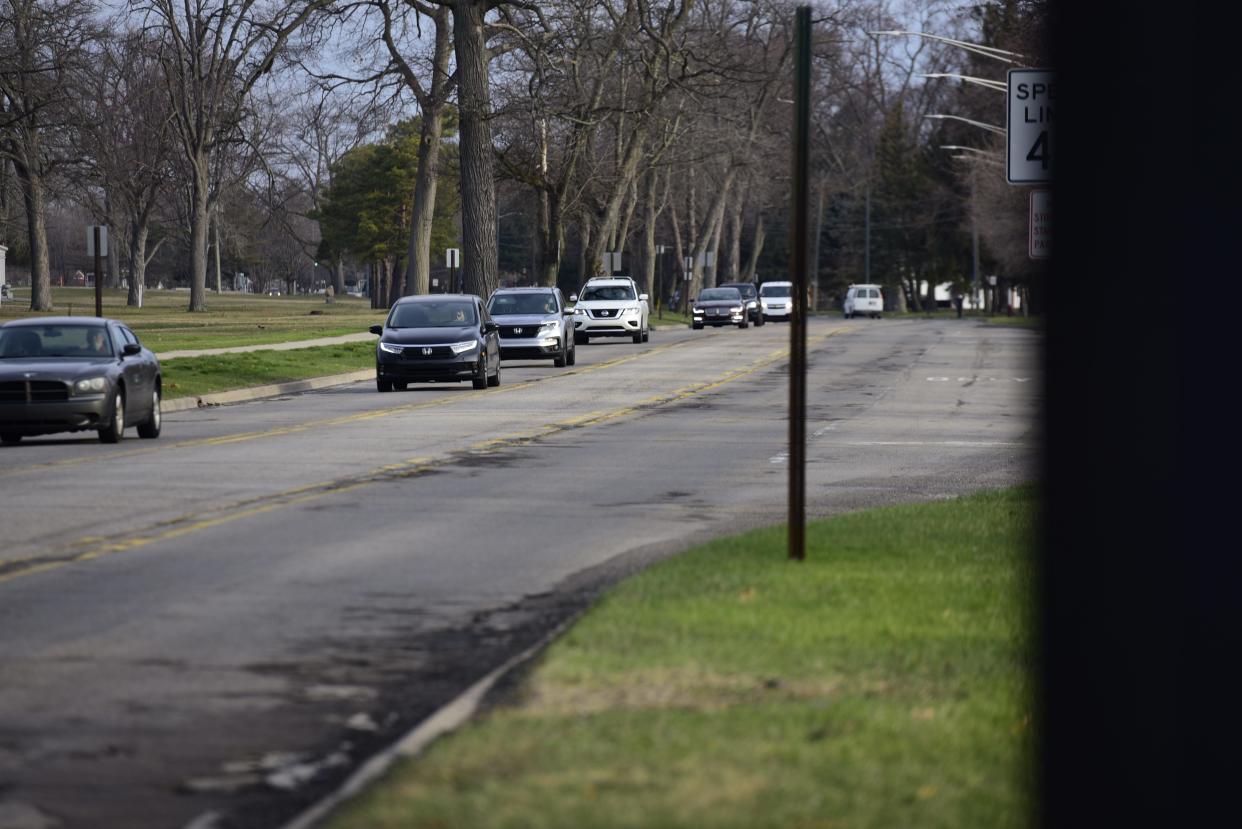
72 374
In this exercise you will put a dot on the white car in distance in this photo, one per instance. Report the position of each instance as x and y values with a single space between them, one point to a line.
610 307
776 300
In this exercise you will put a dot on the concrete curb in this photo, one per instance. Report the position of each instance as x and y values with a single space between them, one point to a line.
447 719
183 404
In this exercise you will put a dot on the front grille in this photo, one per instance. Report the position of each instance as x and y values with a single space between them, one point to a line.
519 332
33 391
604 313
415 352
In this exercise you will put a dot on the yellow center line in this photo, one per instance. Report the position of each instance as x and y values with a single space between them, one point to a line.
93 547
280 431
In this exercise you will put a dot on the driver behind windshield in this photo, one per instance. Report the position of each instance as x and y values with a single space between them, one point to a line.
97 343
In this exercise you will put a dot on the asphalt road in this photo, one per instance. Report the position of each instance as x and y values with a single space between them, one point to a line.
227 620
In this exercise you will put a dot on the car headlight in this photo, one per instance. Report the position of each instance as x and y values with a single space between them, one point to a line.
549 328
579 312
462 348
736 309
389 347
629 312
698 310
90 384
751 304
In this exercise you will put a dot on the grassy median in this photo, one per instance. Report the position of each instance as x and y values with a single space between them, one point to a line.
163 324
194 376
886 681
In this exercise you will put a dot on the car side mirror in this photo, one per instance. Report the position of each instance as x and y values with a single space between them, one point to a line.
569 312
642 297
130 349
490 326
377 329
573 297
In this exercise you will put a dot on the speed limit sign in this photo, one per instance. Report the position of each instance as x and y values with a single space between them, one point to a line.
1028 150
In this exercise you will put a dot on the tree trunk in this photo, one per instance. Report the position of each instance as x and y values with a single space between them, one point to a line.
198 233
550 239
610 221
755 250
733 263
710 228
480 251
215 226
419 253
711 272
648 283
137 261
338 277
114 245
586 267
679 251
36 231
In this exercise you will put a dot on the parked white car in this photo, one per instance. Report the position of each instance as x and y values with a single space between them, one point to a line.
610 307
864 299
776 300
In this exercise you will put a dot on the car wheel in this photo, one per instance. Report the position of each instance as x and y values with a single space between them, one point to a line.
10 438
759 320
560 360
745 323
399 385
115 430
150 428
480 379
494 380
383 385
697 326
573 356
638 338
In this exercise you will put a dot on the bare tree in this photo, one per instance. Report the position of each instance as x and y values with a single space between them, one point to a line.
213 53
43 48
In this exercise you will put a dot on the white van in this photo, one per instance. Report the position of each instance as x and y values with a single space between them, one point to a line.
864 299
776 300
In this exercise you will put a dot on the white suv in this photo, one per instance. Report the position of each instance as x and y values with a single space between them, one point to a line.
864 299
776 300
610 306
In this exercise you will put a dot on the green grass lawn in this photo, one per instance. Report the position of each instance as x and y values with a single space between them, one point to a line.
885 682
193 376
163 324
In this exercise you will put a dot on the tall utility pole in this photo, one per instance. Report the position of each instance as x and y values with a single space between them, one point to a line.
798 319
98 274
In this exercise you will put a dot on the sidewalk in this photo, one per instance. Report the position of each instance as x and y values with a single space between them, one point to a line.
289 346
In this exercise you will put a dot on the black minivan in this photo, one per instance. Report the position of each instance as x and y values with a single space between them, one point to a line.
437 338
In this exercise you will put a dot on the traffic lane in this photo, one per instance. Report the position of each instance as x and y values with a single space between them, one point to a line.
332 592
215 421
78 509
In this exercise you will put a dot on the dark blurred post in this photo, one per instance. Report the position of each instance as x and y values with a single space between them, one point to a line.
798 264
98 275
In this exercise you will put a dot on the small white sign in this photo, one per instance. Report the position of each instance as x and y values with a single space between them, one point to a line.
90 240
1041 224
1028 122
452 257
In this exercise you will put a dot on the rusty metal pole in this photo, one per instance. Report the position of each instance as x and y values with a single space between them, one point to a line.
798 265
98 276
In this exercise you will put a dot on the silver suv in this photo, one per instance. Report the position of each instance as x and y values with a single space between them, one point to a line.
610 306
534 325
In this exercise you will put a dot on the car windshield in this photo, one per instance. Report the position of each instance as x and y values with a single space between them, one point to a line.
745 289
502 304
65 341
719 294
613 293
445 313
774 290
